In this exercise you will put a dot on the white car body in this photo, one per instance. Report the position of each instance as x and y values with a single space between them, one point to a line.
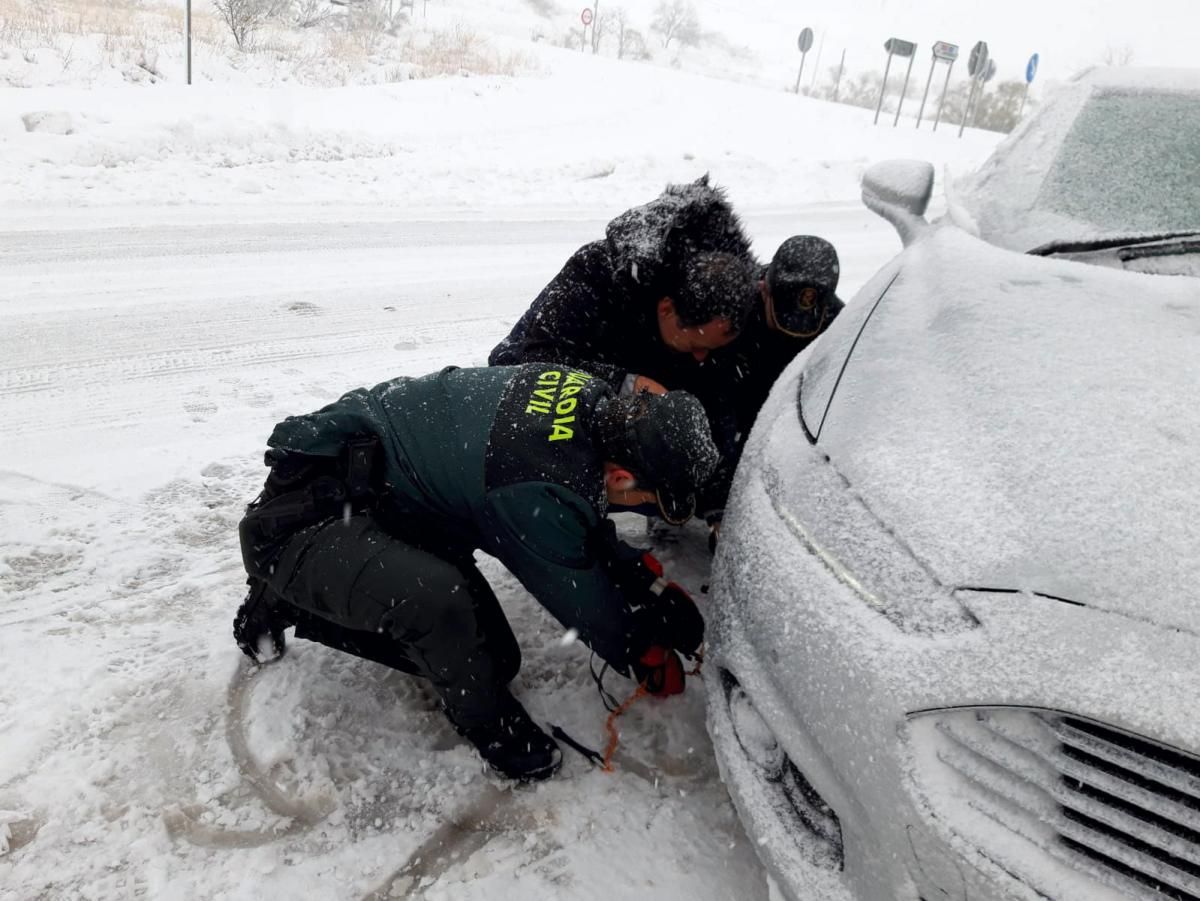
955 647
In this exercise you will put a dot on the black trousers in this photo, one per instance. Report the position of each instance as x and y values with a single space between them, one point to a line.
425 610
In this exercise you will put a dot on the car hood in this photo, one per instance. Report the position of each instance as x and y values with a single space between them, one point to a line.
1032 424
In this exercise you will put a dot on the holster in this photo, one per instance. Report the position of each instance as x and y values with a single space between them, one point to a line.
303 491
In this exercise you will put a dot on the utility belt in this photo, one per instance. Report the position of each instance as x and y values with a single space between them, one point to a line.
304 490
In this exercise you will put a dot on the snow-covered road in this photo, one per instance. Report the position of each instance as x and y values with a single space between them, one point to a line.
140 371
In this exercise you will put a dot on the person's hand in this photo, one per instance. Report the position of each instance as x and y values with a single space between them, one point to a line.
661 671
684 626
670 619
258 632
645 383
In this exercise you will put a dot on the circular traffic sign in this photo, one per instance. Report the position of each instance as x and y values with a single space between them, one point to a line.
805 40
586 16
977 62
1031 68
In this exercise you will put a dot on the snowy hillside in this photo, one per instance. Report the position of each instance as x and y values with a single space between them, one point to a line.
568 131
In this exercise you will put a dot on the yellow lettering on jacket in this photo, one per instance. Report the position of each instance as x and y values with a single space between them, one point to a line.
555 396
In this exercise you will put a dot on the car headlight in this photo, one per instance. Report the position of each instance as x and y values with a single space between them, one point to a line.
815 827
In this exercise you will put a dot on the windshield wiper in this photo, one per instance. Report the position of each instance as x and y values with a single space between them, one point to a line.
1054 247
1172 249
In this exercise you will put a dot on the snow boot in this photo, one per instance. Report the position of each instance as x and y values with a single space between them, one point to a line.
512 743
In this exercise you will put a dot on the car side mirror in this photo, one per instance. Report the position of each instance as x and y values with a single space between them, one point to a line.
899 191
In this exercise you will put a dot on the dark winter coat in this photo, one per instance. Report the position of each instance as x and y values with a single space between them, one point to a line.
600 312
740 375
496 459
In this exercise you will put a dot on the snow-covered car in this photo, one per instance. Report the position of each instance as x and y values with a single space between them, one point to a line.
955 639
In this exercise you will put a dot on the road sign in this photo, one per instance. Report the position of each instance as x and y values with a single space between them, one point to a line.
805 41
586 16
977 61
943 50
991 70
1031 68
901 48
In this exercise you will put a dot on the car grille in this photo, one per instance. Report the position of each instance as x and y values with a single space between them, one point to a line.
1124 809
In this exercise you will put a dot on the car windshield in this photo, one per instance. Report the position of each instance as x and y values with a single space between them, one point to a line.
1129 164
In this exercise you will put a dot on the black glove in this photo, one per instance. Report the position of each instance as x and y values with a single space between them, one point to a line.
255 620
667 615
670 619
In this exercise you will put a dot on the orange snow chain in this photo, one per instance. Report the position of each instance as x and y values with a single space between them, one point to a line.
615 710
610 724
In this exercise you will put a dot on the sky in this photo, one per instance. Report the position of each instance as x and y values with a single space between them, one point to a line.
1066 34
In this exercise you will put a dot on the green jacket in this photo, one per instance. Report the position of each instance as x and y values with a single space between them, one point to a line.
500 459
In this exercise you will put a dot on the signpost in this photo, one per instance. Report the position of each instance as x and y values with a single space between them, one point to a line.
977 64
187 31
941 51
837 85
1030 72
988 75
804 42
586 18
895 47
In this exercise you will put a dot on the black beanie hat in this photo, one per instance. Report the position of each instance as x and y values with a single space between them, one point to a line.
665 441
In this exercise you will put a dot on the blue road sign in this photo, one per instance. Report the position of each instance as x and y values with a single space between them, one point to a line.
1031 69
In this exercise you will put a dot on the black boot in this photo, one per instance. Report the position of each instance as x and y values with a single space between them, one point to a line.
512 743
257 619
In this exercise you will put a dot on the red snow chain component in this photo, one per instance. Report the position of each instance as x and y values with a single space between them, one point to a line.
665 676
610 725
651 563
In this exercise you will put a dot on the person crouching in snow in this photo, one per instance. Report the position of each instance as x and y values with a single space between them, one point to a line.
363 535
673 297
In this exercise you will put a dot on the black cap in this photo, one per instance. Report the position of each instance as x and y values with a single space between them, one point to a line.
802 280
666 442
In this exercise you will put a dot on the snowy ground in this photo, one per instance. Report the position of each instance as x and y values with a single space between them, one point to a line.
179 270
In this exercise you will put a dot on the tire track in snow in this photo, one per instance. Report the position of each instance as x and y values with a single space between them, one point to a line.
182 820
450 844
308 813
224 357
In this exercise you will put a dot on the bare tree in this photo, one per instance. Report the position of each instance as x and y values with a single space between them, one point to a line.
245 17
309 13
621 27
374 16
598 23
636 46
676 20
